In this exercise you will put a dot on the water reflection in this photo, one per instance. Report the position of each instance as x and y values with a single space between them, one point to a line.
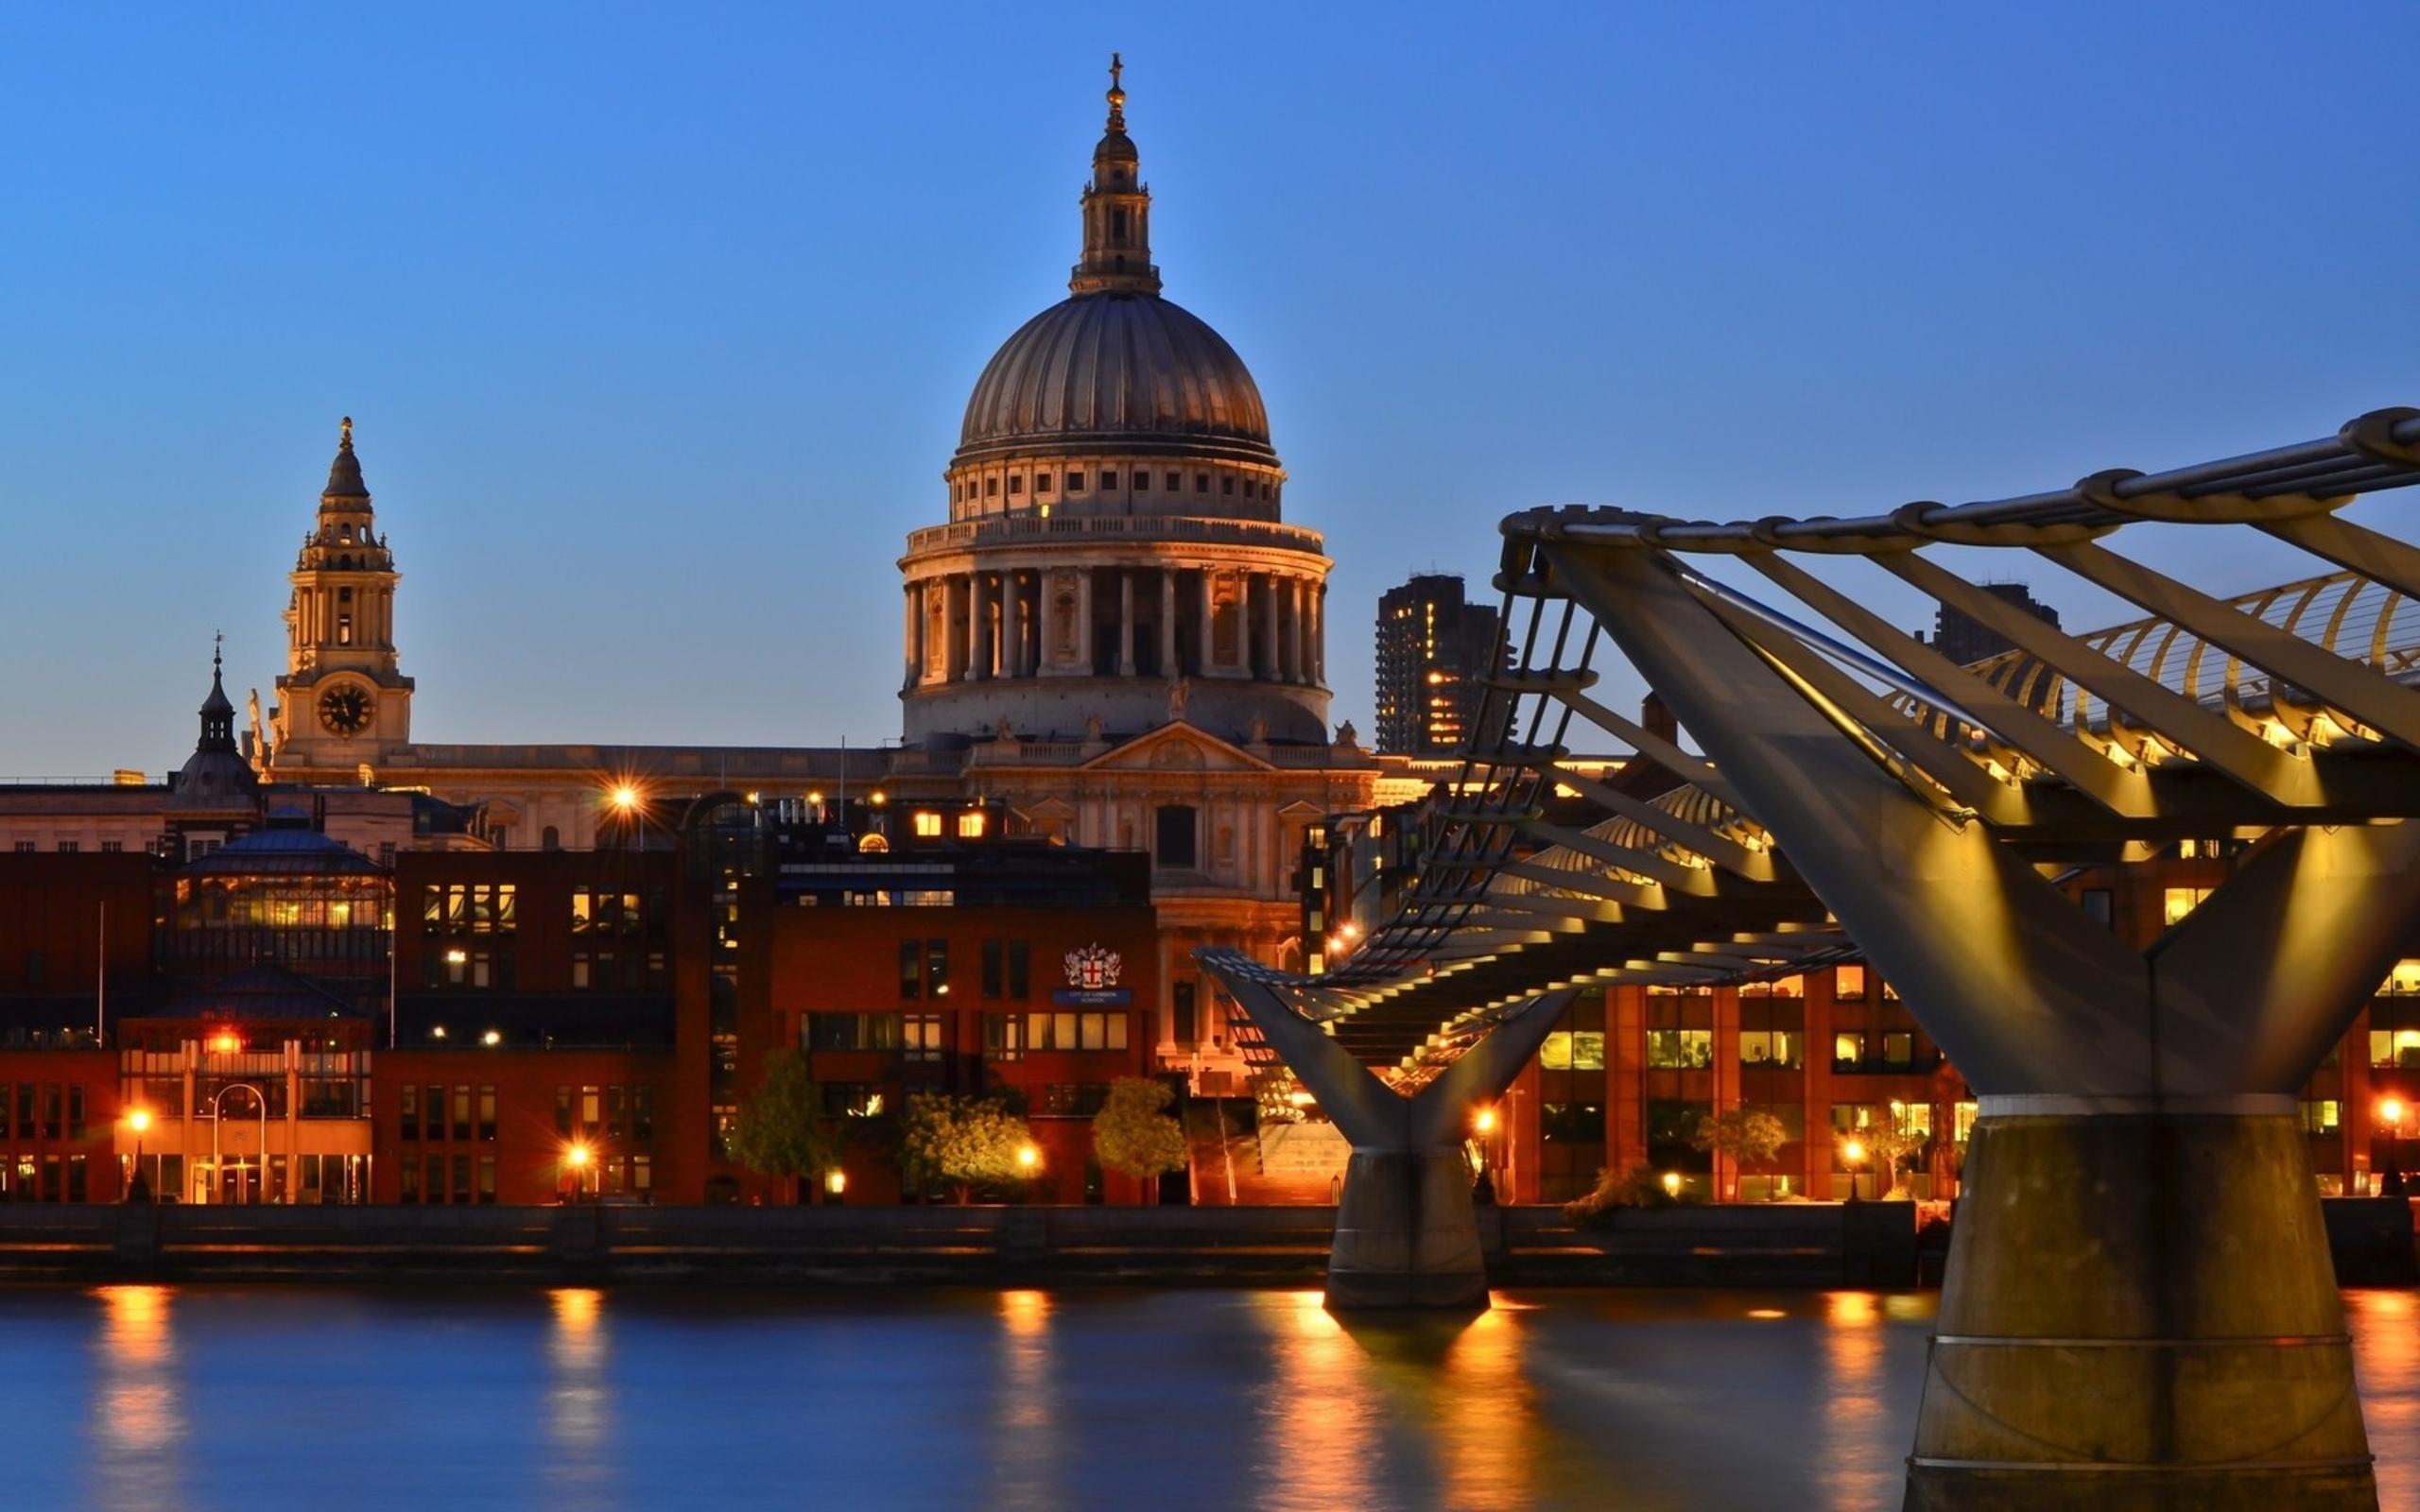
579 1399
1854 1416
1487 1438
1319 1416
1027 1453
2386 1363
138 1416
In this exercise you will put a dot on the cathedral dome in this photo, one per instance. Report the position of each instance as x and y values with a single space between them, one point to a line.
1116 371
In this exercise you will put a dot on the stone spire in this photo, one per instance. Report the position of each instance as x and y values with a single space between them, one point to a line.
215 772
1117 211
217 715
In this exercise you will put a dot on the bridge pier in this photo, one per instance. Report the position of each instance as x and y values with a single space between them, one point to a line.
1407 1229
2140 1312
1407 1234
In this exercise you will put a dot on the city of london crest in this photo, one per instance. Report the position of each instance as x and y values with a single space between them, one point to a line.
1092 969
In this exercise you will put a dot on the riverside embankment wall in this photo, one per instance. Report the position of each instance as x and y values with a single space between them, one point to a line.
1791 1244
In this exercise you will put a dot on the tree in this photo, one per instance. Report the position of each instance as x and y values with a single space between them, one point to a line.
963 1142
1748 1136
780 1131
1131 1133
1886 1147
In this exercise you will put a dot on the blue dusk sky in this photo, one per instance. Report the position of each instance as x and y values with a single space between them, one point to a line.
657 323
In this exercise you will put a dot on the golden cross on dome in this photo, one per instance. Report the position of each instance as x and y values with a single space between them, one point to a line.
345 439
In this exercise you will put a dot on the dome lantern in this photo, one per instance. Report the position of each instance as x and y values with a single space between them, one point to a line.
1117 211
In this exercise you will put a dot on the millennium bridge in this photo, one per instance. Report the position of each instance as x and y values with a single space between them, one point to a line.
2140 1308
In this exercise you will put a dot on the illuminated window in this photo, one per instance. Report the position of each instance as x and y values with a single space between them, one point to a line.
1772 1049
1573 1050
2321 1116
2403 982
2395 1047
928 825
1848 982
1678 1049
1849 1049
1071 1031
2175 902
970 825
921 1036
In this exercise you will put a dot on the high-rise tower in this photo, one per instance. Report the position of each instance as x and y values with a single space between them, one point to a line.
1434 649
341 702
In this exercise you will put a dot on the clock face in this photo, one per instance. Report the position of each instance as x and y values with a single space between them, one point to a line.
345 710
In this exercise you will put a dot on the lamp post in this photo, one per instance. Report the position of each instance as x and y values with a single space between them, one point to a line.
260 1100
1852 1155
2391 1183
138 1190
1483 1128
576 1158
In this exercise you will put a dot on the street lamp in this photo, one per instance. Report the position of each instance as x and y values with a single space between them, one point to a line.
138 1190
1852 1155
576 1158
2391 1183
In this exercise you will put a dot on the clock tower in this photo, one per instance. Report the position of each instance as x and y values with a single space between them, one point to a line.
340 703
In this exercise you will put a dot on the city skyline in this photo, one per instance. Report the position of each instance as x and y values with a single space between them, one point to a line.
648 326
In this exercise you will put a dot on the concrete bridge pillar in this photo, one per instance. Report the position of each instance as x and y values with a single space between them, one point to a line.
1407 1230
2140 1312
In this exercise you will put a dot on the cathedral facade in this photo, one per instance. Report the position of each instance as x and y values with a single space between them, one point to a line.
1113 639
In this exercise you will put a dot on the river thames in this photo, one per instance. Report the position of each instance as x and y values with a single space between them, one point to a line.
143 1397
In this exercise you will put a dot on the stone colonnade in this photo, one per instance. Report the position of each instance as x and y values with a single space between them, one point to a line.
1122 621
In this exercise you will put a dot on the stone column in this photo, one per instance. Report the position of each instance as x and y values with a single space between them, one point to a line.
1203 638
1167 631
1296 669
1012 659
1126 622
1319 634
911 635
952 645
1268 629
978 614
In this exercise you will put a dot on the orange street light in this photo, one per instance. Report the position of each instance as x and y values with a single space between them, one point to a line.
1485 1120
1027 1158
1852 1155
138 1190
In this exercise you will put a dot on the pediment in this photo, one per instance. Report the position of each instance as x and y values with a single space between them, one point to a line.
1177 748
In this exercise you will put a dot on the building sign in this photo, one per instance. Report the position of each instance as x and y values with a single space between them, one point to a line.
1092 978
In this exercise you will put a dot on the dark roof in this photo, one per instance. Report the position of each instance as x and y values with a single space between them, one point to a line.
285 853
1118 371
265 994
